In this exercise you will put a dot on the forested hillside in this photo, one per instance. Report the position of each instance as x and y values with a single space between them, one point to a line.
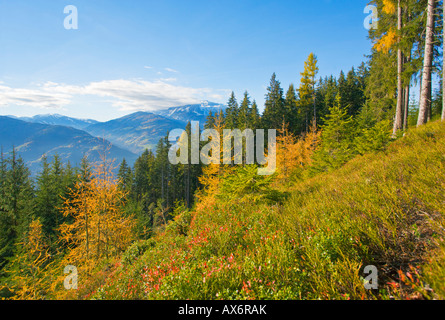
359 182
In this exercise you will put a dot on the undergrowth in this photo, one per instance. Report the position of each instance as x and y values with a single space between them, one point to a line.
309 240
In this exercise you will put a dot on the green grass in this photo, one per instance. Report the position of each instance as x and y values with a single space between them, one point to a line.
384 209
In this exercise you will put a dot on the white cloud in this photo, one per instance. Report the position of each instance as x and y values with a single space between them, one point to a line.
129 95
171 70
148 67
31 97
168 79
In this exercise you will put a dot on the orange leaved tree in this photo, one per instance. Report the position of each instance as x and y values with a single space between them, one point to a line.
99 229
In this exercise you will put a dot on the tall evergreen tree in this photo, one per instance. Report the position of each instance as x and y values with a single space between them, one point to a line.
16 203
244 112
337 139
307 90
53 184
274 111
291 105
231 119
254 120
125 176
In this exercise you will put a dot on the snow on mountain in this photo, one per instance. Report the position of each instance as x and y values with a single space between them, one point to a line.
194 112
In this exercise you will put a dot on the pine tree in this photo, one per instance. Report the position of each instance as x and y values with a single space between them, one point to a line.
244 112
274 110
16 204
85 169
210 120
53 185
292 110
125 176
231 119
143 170
353 98
254 120
337 139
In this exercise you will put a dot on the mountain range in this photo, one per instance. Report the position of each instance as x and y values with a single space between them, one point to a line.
135 132
72 138
32 141
193 112
59 120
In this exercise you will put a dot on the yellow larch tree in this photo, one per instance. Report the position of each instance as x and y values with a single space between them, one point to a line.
100 230
29 271
294 153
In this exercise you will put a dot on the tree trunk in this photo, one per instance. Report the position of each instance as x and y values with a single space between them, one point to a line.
406 111
398 121
315 107
443 73
425 100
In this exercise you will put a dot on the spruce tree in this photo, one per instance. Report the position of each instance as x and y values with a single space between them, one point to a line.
254 120
274 110
125 176
244 112
291 105
231 119
16 203
337 139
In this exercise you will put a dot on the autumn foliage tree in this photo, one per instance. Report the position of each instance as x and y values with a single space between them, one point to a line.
28 273
100 229
295 153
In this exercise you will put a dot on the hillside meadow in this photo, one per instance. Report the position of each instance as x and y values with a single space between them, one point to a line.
307 238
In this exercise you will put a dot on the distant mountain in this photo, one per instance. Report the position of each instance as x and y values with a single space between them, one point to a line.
33 140
59 120
71 138
135 132
193 112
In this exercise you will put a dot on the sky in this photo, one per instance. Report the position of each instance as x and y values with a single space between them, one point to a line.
128 56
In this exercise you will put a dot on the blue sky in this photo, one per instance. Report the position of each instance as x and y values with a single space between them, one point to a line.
135 55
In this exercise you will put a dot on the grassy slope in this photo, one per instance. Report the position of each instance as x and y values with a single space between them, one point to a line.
383 209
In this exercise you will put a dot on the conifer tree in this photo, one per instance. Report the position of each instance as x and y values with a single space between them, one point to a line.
99 227
16 204
274 110
85 169
244 112
254 120
209 120
28 274
143 170
125 176
231 119
291 110
53 185
307 91
337 139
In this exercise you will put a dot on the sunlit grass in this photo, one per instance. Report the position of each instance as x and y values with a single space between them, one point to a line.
384 209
